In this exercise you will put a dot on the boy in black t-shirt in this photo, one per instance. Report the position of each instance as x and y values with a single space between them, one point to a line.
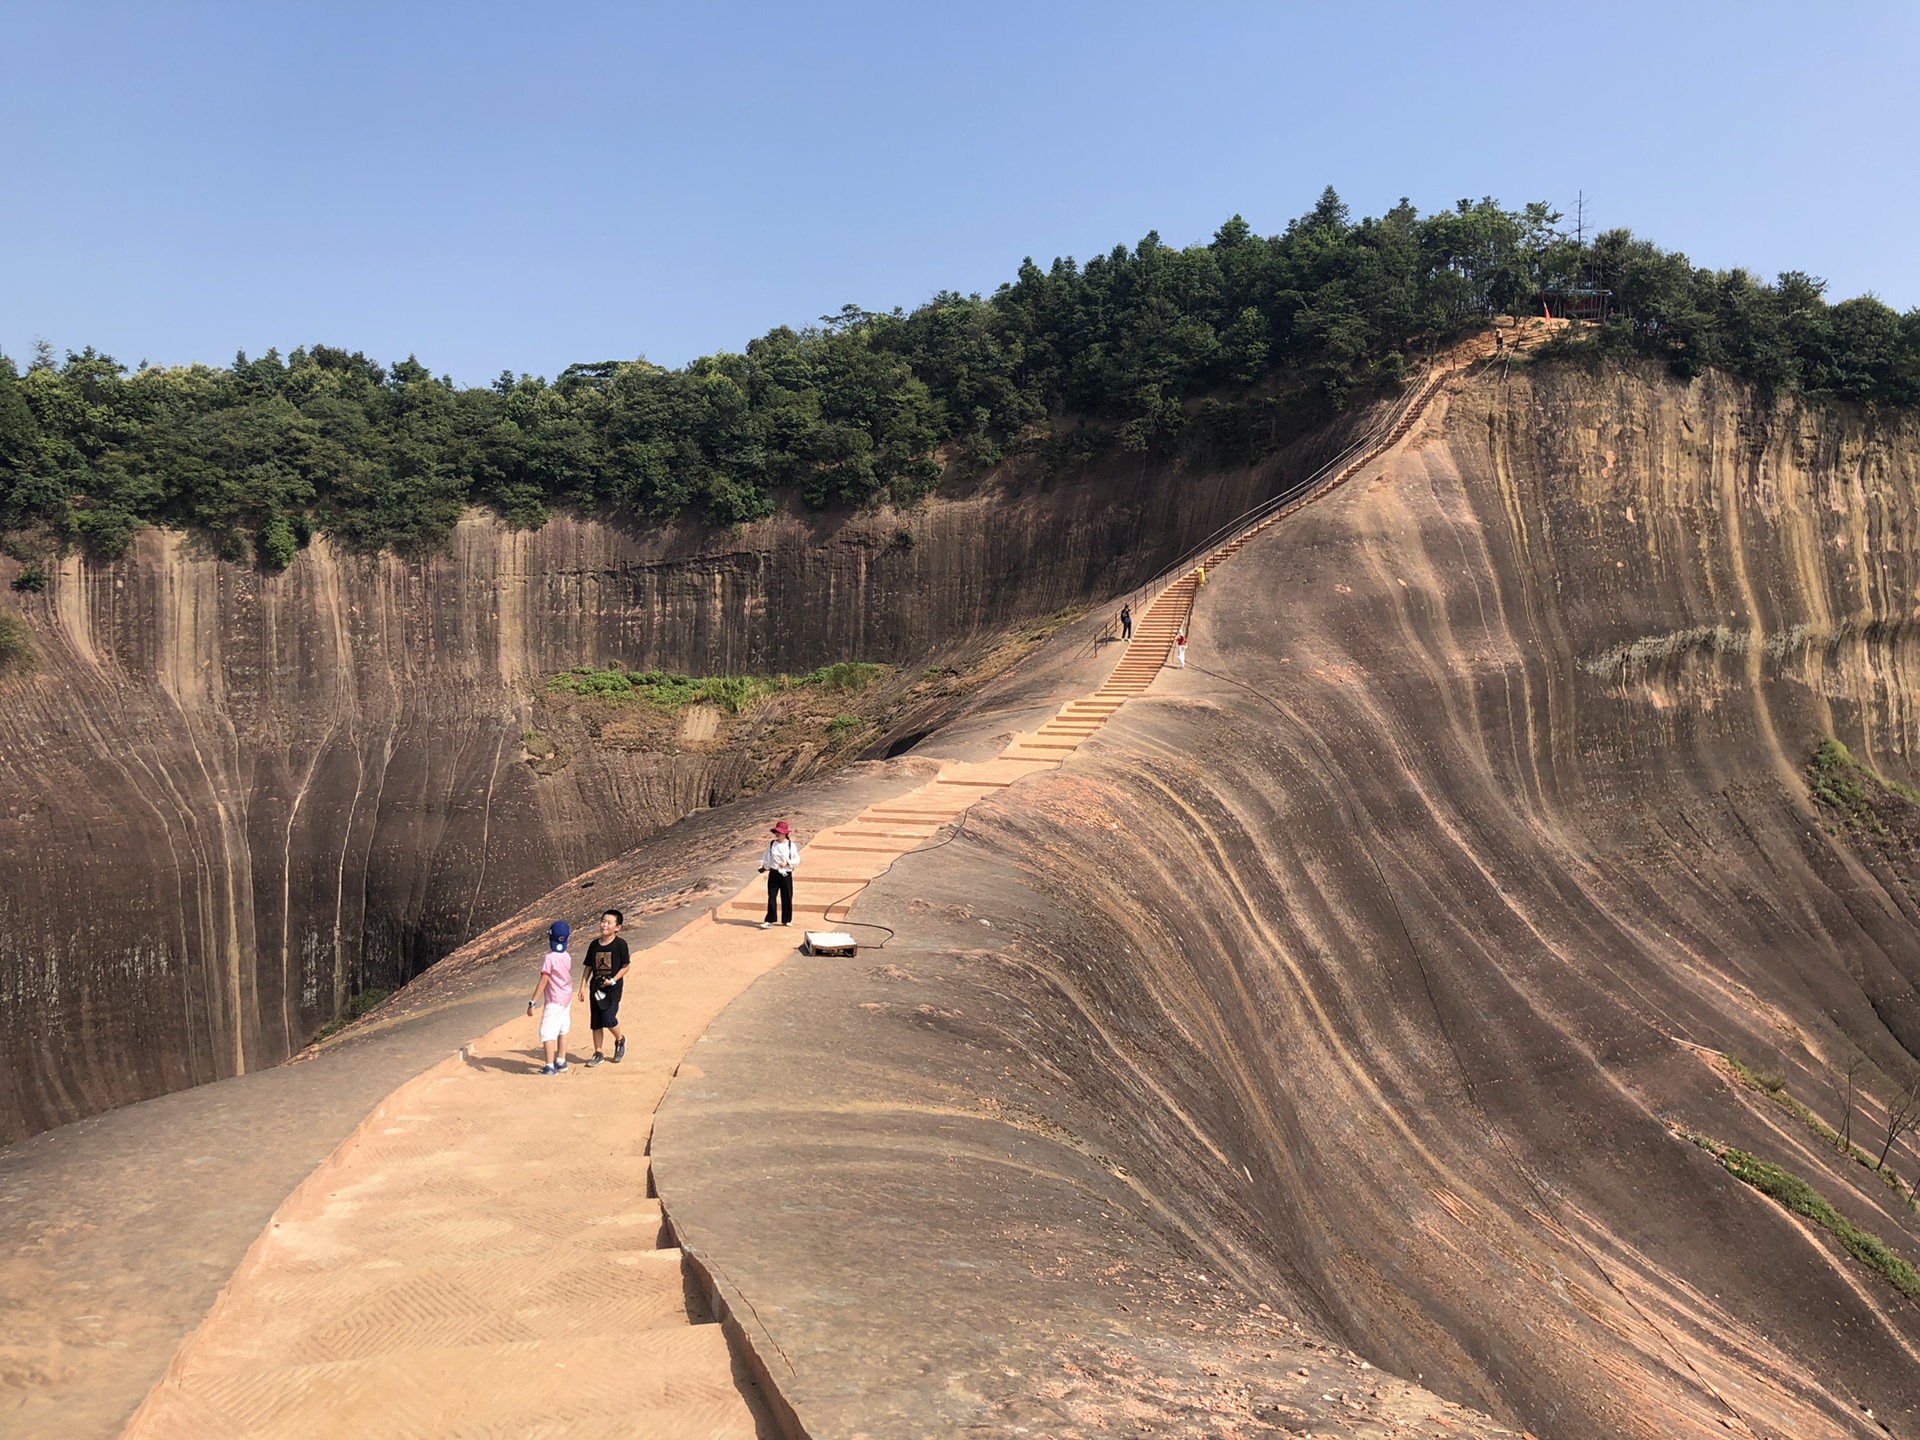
602 972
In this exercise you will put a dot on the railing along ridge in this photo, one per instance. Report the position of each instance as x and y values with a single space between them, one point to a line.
1380 437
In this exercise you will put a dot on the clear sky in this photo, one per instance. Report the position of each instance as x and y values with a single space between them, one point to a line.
524 186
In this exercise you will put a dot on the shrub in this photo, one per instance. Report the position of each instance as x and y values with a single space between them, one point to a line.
849 677
1838 780
356 1007
277 544
732 693
16 647
32 579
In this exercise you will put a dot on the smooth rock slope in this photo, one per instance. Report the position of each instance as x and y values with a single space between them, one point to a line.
1369 976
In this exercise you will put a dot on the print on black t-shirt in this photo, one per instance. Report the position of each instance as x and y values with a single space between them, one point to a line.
605 958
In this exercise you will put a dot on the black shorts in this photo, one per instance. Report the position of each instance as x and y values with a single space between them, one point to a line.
603 1014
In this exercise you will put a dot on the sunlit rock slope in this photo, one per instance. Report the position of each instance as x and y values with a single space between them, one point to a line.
1372 976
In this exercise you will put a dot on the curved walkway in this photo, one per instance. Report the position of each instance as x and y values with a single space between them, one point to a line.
482 1256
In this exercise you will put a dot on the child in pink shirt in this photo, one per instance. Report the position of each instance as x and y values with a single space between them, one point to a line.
554 993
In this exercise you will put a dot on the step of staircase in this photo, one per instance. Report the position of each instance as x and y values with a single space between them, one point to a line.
665 1383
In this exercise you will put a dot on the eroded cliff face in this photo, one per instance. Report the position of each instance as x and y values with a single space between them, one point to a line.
228 799
1386 954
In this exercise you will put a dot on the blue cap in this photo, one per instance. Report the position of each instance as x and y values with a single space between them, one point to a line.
558 932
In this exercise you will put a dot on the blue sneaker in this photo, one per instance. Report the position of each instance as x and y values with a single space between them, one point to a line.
548 1070
560 1067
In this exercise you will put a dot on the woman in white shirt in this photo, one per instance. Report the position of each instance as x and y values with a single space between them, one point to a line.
777 863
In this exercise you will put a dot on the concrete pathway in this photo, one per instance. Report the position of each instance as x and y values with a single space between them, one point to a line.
482 1257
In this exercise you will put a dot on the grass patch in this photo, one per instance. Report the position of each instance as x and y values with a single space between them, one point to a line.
1797 1195
840 725
356 1007
732 693
1774 1087
1865 797
1839 781
668 691
849 677
16 645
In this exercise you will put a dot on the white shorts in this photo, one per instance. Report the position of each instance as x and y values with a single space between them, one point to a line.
555 1021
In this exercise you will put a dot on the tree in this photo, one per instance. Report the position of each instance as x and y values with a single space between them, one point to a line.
1844 1077
1125 350
1903 1115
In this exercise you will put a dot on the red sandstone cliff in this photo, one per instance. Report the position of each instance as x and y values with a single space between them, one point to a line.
228 798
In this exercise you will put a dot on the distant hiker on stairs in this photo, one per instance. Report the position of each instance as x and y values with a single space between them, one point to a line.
777 862
1180 650
1126 622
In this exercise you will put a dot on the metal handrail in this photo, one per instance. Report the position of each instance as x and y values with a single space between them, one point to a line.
1380 434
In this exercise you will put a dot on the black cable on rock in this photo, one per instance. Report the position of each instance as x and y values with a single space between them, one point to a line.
827 914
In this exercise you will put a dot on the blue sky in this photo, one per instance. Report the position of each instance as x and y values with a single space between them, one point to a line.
520 187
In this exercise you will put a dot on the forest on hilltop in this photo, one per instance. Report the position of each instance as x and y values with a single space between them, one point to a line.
1246 338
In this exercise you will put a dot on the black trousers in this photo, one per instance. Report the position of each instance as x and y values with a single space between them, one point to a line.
779 888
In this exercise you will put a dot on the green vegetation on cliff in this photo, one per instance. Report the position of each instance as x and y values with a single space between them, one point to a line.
1248 338
1795 1194
16 650
732 693
1883 808
1774 1087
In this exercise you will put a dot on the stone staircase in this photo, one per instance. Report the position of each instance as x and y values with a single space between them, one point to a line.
1170 608
484 1256
1146 654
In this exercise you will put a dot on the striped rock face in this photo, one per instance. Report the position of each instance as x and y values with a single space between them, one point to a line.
1369 979
229 801
1361 1030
